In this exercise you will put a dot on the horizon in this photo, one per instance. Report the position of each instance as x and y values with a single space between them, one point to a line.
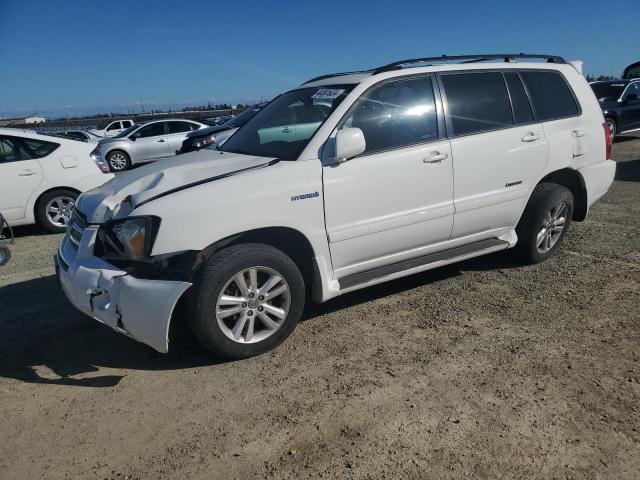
153 56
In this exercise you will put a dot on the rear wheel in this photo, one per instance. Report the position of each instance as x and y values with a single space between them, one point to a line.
118 161
54 209
249 299
544 223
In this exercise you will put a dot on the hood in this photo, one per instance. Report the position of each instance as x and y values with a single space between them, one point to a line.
104 140
162 178
203 132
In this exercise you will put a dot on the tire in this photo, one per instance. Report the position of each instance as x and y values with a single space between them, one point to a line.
5 255
55 202
247 332
118 161
547 201
613 127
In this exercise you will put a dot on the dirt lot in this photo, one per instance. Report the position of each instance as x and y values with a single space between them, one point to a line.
482 369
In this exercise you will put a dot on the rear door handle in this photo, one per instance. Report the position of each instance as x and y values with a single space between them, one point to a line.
435 157
286 130
577 133
27 173
530 137
161 140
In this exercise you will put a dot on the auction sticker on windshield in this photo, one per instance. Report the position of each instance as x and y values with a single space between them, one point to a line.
329 93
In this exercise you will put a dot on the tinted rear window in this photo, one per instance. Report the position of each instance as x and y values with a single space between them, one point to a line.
477 102
550 94
521 107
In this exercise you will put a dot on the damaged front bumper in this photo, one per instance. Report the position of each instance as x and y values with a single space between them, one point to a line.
138 308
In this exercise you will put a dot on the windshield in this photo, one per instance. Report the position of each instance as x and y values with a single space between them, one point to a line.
126 132
243 117
608 91
284 127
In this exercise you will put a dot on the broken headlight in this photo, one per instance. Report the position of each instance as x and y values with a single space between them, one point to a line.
130 238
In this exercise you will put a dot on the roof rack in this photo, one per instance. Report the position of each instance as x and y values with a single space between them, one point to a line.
322 77
507 57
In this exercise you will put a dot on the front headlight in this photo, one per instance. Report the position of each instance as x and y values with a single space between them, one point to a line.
130 238
204 141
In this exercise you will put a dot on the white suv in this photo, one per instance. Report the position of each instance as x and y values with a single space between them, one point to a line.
346 181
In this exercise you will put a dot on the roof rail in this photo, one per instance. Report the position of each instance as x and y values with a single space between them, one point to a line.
507 57
322 77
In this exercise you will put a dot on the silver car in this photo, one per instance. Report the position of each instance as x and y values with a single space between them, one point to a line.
144 142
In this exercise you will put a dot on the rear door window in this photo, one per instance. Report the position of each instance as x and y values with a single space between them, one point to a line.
477 102
14 149
179 127
397 114
114 126
38 148
522 112
552 98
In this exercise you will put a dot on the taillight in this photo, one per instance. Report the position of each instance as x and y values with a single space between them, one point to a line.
607 140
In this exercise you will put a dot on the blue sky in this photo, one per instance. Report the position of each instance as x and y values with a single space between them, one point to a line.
63 56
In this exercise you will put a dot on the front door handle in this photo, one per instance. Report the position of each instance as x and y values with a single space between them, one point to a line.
161 140
27 173
435 157
286 130
530 137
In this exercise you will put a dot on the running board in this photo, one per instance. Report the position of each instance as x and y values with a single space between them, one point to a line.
425 262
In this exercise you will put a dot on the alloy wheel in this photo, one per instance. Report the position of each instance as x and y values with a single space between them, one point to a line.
117 161
552 227
59 210
253 305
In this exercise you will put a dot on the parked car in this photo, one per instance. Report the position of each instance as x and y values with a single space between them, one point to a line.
620 103
41 176
632 71
206 137
220 120
144 142
341 198
82 135
112 129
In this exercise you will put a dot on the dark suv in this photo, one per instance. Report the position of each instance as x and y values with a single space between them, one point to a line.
620 103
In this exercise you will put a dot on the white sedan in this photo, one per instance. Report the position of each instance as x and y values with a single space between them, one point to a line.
41 176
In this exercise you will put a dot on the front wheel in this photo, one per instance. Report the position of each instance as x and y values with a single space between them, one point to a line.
248 300
544 223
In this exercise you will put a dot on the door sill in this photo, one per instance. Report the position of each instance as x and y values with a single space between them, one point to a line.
415 265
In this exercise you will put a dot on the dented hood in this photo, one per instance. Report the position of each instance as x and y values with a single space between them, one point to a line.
118 197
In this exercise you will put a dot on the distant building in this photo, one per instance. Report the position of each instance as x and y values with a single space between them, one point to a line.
21 121
35 120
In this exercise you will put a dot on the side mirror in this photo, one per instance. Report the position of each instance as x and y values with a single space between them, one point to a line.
134 137
350 142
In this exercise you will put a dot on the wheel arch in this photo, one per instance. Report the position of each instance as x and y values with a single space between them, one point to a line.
292 242
573 181
36 203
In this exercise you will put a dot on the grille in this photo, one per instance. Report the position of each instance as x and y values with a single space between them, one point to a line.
76 227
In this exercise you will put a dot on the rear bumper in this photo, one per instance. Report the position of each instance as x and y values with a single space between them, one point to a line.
138 308
597 179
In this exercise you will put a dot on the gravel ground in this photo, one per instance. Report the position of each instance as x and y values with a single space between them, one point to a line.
482 369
